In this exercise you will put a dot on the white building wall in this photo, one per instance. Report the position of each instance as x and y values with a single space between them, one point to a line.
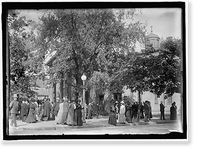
155 101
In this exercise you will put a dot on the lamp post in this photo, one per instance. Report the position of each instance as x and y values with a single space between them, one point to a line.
83 78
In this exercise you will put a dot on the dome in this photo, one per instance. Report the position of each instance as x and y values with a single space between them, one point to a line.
151 35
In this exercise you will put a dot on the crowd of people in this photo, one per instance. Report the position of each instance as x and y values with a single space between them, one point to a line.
62 111
71 112
125 111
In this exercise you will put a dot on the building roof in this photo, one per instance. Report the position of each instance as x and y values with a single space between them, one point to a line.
152 35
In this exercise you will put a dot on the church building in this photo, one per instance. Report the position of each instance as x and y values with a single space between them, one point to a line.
154 40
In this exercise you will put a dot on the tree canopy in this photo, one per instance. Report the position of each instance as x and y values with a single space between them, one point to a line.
158 72
19 39
87 41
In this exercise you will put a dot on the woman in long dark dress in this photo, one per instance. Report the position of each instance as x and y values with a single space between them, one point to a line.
31 115
79 113
128 112
146 111
173 111
112 116
47 107
150 110
75 113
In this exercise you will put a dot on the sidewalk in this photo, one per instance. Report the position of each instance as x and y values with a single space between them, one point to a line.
90 123
51 125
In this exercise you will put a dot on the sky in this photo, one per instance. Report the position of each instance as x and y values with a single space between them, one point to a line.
165 22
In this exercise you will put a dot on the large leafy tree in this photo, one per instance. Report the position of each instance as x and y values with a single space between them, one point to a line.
18 39
86 41
157 71
173 46
170 67
114 60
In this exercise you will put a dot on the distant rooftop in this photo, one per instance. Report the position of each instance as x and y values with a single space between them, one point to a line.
152 35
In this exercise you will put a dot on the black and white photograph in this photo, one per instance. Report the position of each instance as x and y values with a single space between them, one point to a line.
98 71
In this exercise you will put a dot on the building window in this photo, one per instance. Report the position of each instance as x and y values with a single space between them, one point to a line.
117 96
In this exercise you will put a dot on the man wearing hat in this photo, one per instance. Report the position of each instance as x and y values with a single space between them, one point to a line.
162 111
14 105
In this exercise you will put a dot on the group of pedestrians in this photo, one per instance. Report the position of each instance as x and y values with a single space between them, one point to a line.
36 111
30 111
124 111
69 113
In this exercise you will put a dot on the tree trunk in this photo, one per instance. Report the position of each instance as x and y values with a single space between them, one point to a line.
78 84
61 88
54 91
139 99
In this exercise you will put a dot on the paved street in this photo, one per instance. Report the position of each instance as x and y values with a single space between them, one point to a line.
97 126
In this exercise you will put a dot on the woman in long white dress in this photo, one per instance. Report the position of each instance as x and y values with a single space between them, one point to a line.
122 110
58 118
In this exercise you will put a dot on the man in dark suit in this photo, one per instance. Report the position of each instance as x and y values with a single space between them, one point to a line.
14 105
162 111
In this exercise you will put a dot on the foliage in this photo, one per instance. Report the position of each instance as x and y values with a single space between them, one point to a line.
173 45
99 81
156 72
20 81
86 41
